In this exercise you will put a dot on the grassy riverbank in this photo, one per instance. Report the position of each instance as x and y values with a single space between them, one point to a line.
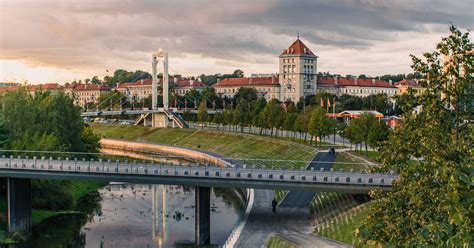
277 242
251 149
343 226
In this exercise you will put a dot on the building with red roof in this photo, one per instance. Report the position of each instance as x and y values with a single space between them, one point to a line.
86 93
406 84
267 87
183 86
356 86
297 72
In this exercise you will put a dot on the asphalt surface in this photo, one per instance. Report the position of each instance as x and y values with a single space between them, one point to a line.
302 199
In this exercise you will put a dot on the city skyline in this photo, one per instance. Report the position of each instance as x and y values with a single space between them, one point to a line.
58 41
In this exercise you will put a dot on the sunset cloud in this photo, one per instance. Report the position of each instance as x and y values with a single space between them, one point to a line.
83 38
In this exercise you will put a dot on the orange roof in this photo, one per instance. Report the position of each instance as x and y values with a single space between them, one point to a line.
408 82
331 81
298 48
189 83
9 88
48 86
137 83
246 81
91 87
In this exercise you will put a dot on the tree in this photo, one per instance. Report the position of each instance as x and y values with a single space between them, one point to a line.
431 202
319 123
302 122
95 80
378 134
202 114
218 119
360 128
273 116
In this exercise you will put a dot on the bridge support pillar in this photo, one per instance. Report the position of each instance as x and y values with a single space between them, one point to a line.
203 215
159 120
18 204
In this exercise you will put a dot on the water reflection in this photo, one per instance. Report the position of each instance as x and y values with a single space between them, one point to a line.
127 215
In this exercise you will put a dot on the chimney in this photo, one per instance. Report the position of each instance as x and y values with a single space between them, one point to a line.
390 82
175 80
355 81
335 81
273 80
373 81
304 49
191 82
250 80
141 81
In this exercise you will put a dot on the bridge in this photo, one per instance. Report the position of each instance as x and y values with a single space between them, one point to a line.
20 171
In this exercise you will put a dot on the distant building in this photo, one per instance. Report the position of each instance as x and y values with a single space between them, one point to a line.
183 86
43 87
8 84
356 86
83 94
298 72
6 89
406 84
137 90
267 87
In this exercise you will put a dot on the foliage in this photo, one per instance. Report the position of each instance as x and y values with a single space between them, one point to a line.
122 76
431 204
212 79
319 123
202 114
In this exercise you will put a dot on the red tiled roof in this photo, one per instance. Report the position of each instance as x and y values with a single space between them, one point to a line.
137 83
86 87
330 81
228 82
9 88
189 83
48 86
297 48
408 82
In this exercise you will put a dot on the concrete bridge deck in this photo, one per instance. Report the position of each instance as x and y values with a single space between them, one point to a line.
194 175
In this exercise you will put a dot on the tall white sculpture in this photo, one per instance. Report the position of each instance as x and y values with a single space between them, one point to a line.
156 58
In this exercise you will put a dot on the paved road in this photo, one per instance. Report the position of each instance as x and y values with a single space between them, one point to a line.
302 199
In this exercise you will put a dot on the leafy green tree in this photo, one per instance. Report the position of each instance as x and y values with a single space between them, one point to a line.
273 116
218 119
257 109
202 114
405 102
319 123
290 121
431 202
248 94
302 122
360 128
95 80
378 134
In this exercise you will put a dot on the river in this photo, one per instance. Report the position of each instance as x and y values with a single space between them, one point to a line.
133 215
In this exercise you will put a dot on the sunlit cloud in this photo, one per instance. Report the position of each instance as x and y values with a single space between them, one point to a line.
77 39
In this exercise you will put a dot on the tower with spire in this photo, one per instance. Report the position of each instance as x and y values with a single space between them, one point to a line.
297 71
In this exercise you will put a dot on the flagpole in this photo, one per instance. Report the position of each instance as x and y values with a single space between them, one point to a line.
334 114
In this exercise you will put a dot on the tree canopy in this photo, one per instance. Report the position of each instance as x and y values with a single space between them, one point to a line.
431 202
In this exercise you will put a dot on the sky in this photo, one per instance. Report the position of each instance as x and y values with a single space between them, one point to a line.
63 40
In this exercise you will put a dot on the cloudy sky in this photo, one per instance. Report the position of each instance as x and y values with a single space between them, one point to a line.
62 40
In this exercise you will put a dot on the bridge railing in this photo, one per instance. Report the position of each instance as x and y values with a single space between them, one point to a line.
197 171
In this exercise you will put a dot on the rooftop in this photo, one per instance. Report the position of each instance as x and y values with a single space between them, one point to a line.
298 48
246 81
333 81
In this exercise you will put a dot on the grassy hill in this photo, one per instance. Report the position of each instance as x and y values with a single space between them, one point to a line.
251 149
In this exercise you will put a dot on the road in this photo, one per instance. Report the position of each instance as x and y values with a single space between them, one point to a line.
302 199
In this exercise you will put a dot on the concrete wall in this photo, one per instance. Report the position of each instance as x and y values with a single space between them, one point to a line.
171 150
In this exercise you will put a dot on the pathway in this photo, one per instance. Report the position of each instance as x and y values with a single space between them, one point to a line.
292 220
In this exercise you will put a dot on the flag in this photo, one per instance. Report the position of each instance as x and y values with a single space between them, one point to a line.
329 103
322 103
107 70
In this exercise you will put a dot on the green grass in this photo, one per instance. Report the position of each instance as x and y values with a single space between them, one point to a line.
39 215
370 155
342 228
277 242
252 150
79 189
346 162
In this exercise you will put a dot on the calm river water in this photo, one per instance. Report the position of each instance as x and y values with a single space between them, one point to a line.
126 215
